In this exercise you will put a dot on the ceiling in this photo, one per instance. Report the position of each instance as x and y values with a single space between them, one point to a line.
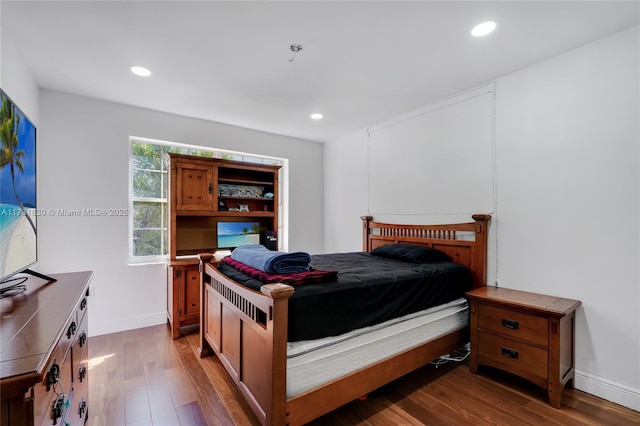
230 62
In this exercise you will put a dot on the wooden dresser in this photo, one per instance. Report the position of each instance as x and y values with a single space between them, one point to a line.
527 334
44 357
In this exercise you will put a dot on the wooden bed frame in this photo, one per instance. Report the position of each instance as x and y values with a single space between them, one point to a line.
247 329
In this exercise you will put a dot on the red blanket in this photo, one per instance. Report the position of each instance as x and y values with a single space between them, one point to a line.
312 276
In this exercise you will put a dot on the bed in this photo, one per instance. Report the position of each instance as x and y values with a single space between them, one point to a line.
291 381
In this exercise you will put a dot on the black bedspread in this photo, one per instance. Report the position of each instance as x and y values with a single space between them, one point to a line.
369 290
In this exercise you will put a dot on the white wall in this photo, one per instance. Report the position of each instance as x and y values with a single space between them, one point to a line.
83 163
346 192
568 167
17 81
567 201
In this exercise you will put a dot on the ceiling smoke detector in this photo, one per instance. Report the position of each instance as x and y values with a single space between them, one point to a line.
295 48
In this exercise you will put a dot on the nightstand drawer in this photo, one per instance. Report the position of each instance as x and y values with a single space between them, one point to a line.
515 357
514 324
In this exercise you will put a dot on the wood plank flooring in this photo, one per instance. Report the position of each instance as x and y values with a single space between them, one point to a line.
142 377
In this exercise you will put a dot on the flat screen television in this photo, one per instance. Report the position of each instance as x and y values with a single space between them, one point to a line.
236 234
18 242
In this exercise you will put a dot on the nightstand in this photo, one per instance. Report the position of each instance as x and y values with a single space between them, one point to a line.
527 334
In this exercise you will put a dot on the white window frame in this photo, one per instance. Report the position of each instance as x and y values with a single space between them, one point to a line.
283 200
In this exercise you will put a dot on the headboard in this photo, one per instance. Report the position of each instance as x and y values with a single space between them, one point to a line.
465 243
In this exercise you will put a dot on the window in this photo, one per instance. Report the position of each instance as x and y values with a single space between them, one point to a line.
148 182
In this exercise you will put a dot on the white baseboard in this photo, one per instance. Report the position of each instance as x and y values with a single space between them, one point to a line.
124 324
626 396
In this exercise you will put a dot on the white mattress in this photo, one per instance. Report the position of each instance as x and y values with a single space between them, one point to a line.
311 363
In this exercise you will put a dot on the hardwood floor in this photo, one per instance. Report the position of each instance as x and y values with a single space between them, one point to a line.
142 377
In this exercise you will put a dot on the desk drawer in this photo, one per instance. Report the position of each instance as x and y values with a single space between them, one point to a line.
514 324
526 361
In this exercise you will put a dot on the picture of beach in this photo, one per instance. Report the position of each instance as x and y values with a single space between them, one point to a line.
234 234
17 239
17 190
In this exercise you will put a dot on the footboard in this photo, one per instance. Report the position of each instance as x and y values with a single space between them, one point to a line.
247 330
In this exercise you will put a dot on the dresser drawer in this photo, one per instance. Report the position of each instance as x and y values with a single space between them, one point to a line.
82 308
56 382
515 357
514 324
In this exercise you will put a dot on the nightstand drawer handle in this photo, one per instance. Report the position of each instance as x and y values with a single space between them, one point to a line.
509 353
513 325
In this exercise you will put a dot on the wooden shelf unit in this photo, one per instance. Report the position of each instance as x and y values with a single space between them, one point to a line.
202 192
198 185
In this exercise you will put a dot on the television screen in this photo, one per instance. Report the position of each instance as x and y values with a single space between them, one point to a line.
18 248
235 234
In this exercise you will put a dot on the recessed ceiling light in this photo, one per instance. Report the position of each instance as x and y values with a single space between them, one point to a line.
483 29
316 116
141 71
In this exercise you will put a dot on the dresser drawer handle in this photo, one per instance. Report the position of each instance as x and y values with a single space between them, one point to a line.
509 353
512 324
53 375
71 330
